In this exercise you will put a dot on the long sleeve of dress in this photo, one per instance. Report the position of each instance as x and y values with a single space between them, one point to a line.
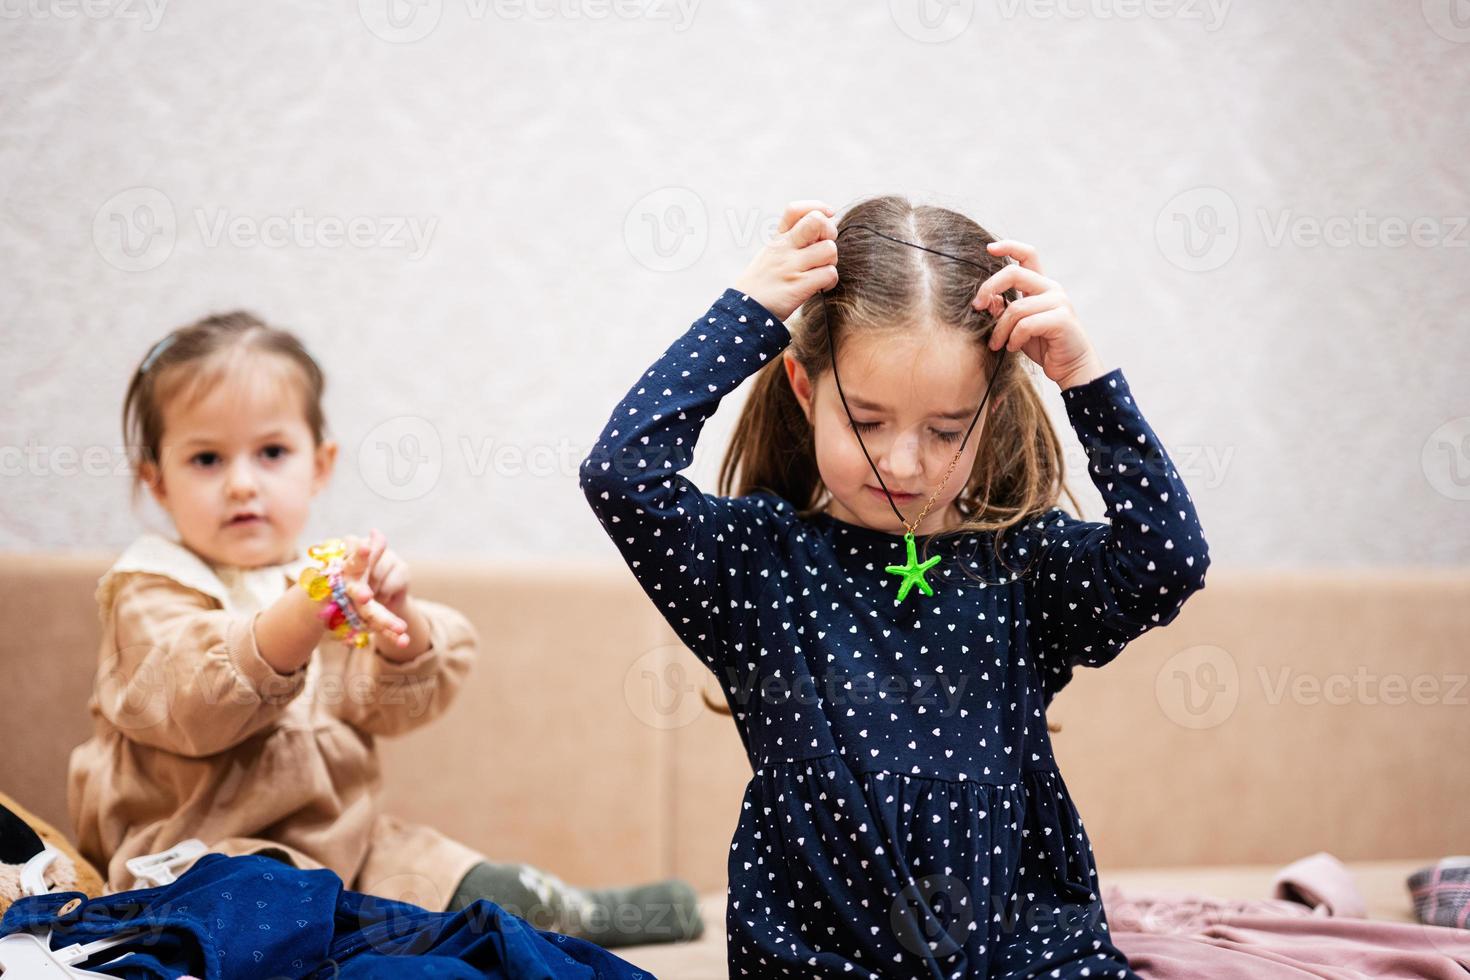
682 545
181 674
394 697
1098 585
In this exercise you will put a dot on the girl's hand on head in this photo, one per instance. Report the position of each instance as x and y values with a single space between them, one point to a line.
363 557
800 262
1041 323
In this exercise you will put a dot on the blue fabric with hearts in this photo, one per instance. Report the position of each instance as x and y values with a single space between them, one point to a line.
255 917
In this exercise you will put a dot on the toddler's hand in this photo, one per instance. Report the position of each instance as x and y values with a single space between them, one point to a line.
1042 322
801 261
377 584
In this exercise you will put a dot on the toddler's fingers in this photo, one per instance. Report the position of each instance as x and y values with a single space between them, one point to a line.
394 581
796 210
377 544
356 560
376 615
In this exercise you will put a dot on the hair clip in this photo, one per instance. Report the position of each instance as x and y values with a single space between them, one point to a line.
153 354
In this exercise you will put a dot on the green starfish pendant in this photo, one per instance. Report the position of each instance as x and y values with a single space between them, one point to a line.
913 572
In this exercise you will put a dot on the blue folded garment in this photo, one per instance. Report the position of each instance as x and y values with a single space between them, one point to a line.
254 917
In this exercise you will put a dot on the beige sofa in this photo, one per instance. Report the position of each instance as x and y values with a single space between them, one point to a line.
1281 714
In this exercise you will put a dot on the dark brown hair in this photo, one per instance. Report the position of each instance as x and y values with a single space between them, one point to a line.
1019 469
191 359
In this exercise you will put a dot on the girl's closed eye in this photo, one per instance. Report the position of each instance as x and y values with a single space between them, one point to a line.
941 434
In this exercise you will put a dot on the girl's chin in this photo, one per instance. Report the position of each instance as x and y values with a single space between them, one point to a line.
247 554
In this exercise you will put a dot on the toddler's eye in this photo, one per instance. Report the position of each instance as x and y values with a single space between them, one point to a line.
864 426
204 459
274 451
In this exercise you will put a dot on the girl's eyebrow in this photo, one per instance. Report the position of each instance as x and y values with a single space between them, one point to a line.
859 402
207 440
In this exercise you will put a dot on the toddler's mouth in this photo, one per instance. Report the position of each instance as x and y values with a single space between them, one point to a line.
245 520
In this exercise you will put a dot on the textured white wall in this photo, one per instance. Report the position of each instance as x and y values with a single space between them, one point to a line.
1315 394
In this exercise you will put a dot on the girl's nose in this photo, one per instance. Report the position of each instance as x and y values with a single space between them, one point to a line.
240 479
902 459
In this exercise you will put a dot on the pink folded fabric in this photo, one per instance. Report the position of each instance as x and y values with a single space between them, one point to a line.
1161 912
1276 947
1322 883
1315 926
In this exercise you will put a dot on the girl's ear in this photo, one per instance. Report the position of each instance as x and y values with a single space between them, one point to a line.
151 477
801 384
324 463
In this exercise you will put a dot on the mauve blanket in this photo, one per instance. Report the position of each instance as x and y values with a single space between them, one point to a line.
1170 936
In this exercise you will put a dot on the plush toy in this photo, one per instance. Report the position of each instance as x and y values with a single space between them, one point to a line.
24 835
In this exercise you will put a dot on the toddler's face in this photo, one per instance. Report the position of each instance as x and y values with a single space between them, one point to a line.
238 468
912 395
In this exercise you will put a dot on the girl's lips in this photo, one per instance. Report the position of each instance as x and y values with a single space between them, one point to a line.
897 497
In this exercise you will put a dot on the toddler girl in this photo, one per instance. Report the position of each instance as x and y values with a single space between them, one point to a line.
226 710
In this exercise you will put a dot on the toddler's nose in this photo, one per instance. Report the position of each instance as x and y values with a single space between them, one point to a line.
240 481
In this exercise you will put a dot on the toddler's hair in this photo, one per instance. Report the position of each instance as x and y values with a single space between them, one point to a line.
884 286
191 359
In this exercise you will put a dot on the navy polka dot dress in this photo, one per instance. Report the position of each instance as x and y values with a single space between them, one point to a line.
905 817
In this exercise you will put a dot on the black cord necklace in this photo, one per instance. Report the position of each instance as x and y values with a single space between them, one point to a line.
913 570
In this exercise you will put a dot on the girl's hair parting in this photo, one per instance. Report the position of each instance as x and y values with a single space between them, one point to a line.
1019 469
884 286
191 359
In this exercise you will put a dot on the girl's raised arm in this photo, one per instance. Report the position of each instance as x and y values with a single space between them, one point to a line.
1096 586
684 546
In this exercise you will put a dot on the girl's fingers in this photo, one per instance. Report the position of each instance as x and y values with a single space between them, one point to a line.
1016 311
796 210
814 226
377 616
377 544
1020 251
395 580
1013 314
1013 276
357 553
817 254
819 280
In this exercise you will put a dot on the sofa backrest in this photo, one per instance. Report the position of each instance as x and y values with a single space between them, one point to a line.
1279 715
